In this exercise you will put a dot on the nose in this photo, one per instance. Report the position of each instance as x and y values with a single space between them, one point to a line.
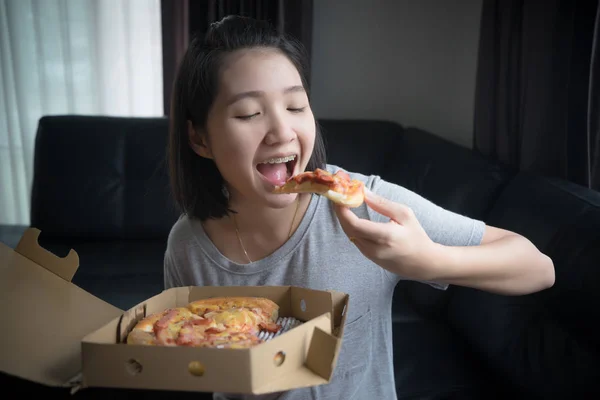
279 130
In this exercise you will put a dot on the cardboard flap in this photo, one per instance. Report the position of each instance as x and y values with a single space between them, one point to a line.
290 360
322 353
45 316
29 247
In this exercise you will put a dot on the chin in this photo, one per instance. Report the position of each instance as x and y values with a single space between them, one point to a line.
281 200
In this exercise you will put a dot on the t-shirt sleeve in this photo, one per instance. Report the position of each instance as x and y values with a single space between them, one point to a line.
441 225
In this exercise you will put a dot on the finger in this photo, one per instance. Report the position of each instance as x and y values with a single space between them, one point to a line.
347 219
395 211
361 228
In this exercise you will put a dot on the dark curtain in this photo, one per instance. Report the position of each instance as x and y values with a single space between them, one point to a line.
183 18
537 105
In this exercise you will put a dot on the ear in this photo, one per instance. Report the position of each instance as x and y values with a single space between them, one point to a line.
198 141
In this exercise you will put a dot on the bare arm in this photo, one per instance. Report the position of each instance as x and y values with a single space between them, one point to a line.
504 263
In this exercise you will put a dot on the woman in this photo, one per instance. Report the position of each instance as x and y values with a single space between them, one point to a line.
241 124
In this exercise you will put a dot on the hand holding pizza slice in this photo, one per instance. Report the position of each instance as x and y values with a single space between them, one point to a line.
337 187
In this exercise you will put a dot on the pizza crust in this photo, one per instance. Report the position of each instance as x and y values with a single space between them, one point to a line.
345 200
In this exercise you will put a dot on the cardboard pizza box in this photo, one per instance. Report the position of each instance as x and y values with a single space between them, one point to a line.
57 334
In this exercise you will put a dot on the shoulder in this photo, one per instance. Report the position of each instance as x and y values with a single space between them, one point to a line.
180 242
180 236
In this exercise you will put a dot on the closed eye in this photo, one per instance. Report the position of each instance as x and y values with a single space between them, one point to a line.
247 117
296 110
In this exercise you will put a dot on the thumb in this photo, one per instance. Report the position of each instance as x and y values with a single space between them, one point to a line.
395 211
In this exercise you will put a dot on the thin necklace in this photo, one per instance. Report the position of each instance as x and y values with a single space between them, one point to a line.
237 231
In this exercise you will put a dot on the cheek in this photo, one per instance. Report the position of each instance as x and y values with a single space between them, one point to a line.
230 158
307 139
232 146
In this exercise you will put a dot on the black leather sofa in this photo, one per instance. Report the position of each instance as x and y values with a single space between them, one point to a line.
101 188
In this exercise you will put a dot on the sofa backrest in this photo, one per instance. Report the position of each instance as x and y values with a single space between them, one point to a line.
450 175
101 177
360 145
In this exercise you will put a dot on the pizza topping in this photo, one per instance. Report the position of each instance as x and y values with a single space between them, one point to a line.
212 331
318 176
238 322
339 181
186 335
164 321
339 187
201 321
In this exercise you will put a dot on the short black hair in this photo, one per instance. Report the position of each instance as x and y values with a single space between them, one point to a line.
196 183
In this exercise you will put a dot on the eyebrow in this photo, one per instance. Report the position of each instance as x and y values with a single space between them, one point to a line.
260 93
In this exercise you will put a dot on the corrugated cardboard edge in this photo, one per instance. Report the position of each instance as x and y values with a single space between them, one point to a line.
128 320
340 310
341 302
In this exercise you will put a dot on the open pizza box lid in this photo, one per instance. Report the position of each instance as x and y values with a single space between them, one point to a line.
58 334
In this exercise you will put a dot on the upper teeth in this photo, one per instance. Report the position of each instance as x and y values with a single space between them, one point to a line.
279 160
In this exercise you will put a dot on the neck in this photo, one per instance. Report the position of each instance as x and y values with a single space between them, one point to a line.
259 231
269 223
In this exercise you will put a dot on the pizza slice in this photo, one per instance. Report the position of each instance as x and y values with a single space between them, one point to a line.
162 328
338 187
242 314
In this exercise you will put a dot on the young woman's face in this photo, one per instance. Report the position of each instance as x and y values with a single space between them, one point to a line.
260 130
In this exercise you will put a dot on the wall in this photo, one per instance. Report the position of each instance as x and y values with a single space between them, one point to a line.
413 62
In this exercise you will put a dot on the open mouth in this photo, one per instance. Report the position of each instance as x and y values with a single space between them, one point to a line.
278 170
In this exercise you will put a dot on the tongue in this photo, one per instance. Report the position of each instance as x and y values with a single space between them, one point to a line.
275 173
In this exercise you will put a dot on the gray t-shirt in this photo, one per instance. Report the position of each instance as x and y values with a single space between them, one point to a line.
320 256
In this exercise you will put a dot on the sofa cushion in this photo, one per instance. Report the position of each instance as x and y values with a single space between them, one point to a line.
102 177
545 343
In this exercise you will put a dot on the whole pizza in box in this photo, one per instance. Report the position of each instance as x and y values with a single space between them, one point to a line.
222 322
